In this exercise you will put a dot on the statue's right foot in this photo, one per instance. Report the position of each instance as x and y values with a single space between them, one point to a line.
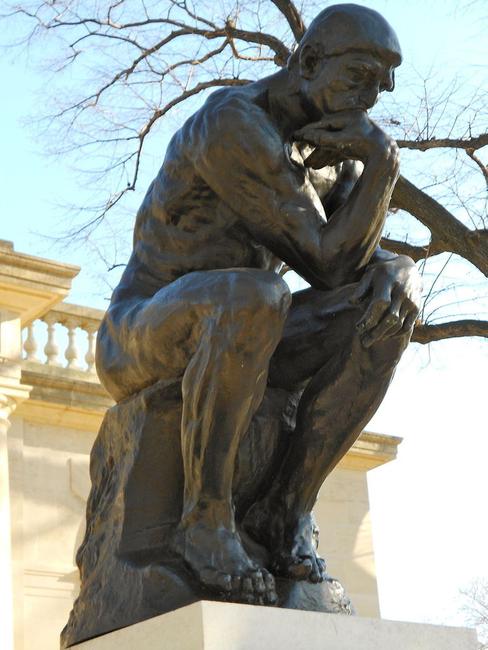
297 558
217 557
291 541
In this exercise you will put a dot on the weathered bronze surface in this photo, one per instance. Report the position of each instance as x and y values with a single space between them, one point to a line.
235 398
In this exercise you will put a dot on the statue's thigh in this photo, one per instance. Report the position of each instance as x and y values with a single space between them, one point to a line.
143 340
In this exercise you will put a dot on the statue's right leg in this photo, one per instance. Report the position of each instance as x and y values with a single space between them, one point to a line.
216 331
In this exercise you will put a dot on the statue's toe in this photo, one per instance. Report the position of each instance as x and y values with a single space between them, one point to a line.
270 595
259 589
317 574
258 583
299 568
302 567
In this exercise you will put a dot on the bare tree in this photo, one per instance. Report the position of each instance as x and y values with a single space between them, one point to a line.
475 609
138 62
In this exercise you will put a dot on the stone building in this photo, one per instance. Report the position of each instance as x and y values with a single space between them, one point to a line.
51 405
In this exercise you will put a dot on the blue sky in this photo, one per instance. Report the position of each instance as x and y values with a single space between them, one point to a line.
429 507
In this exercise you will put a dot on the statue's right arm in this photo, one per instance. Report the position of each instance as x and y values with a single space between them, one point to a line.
240 155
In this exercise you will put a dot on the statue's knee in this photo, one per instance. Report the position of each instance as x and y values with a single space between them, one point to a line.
260 296
274 295
385 353
252 309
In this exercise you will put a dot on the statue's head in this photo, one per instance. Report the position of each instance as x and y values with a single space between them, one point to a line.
346 58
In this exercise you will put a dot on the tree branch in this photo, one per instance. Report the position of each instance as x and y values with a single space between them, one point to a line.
282 53
293 17
194 61
182 4
453 329
477 160
415 252
440 143
237 54
447 231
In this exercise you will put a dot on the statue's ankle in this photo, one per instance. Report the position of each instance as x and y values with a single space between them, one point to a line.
213 513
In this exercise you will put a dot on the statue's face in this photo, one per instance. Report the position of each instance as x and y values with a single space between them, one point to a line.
346 81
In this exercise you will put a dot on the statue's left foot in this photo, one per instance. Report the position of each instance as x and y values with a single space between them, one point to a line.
297 556
293 546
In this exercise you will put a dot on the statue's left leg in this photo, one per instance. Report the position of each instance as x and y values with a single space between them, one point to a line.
348 382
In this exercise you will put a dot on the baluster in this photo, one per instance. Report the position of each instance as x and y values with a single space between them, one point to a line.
51 349
71 353
91 331
30 344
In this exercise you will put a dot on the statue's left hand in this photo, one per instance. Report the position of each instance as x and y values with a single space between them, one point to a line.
393 289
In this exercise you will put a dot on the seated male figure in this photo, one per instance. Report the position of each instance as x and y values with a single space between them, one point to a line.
202 301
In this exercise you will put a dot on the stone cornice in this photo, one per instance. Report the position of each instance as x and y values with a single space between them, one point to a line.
371 450
86 316
63 397
55 272
30 285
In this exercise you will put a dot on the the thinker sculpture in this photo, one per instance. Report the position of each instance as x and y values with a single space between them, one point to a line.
289 169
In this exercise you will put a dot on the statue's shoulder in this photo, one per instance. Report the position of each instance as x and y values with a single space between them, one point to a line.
230 128
230 113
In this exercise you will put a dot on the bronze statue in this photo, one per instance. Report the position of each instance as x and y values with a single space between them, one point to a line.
287 170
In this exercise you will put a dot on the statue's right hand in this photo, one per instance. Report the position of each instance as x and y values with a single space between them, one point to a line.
347 135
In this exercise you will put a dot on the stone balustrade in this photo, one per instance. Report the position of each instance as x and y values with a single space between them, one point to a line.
67 326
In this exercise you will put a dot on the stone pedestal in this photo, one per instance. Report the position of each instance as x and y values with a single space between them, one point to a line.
129 569
225 626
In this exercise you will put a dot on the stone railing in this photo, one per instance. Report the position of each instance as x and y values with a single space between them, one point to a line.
67 326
